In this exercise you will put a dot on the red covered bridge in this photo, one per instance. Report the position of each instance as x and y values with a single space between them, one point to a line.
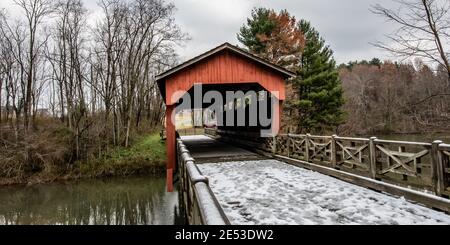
381 165
224 68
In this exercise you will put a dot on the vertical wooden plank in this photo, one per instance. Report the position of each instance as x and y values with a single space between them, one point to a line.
223 69
246 71
307 147
333 151
201 71
228 68
207 72
235 68
441 172
437 169
288 145
242 65
274 144
372 157
217 69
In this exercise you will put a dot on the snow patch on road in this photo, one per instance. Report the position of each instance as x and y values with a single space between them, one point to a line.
275 193
195 137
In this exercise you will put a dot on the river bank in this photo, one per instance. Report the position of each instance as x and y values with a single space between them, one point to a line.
111 201
146 156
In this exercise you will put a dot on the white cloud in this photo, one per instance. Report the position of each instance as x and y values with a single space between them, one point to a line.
347 25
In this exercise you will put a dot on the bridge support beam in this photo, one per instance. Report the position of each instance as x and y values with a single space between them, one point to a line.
170 146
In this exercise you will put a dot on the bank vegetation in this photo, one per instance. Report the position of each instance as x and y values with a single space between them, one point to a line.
73 93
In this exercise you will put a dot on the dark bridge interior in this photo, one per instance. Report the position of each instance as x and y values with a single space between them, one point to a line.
232 112
224 68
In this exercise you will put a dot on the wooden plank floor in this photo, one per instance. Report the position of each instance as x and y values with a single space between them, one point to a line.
207 150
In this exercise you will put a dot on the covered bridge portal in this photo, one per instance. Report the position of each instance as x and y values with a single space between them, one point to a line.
224 68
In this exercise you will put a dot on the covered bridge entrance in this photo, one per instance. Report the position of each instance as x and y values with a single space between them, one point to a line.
208 80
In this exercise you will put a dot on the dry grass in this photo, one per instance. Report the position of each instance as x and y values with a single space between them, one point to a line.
47 154
42 151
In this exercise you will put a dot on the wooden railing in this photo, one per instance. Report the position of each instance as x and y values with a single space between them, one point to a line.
443 168
191 131
200 204
210 131
414 164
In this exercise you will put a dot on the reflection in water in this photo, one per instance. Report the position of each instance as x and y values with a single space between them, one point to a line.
117 201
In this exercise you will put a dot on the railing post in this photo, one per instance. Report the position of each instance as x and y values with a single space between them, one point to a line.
307 147
274 145
288 144
437 168
373 158
333 151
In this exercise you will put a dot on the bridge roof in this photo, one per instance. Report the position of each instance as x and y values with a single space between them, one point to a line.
225 46
163 77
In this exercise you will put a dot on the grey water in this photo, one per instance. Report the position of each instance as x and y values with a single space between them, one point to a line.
119 201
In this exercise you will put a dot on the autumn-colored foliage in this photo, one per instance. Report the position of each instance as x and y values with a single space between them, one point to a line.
314 97
285 42
274 37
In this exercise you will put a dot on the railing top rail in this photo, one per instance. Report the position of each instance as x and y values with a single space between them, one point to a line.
403 142
212 214
210 209
310 136
297 135
319 137
445 147
350 138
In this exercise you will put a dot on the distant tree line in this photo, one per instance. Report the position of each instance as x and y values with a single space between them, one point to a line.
366 96
387 97
96 79
412 96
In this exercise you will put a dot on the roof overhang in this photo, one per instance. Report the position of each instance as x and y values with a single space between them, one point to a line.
225 46
161 78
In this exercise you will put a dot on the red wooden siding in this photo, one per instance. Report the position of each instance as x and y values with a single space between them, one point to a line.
224 68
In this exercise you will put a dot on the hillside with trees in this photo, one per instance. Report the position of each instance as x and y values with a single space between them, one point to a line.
76 96
387 97
365 97
97 81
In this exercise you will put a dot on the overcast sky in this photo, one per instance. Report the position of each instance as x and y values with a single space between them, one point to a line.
348 26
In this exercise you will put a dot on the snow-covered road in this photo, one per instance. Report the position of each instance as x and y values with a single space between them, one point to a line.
272 192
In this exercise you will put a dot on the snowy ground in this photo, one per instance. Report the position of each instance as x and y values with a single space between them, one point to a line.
272 192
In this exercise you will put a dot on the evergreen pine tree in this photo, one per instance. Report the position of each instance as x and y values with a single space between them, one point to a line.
259 24
273 36
319 90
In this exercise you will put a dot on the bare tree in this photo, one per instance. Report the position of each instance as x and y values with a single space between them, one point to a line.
14 60
134 39
377 101
3 69
35 11
67 63
424 30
